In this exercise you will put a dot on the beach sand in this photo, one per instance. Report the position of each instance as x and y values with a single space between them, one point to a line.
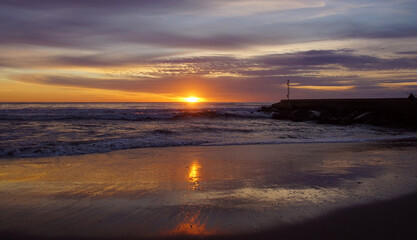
291 191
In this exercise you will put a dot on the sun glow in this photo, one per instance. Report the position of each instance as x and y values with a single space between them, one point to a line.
193 99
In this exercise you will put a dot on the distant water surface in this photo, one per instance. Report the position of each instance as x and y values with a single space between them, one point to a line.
54 129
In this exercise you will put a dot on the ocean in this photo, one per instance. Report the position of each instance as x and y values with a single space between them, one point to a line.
58 129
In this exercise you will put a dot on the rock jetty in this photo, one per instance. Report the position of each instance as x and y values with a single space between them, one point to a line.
395 112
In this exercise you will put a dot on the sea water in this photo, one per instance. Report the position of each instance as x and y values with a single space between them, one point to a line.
55 129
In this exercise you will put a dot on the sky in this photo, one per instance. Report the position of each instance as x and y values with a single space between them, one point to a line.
166 50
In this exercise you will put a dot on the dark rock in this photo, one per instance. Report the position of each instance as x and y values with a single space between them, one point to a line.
266 109
281 115
383 112
302 115
363 117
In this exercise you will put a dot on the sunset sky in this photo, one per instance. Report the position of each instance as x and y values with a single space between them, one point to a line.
167 50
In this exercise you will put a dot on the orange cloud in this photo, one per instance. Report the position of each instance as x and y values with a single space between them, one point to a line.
325 88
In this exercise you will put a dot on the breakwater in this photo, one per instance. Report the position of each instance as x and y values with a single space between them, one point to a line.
396 112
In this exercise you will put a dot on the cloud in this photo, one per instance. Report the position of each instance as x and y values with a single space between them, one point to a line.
344 58
247 89
325 88
213 88
407 52
98 4
216 25
222 47
293 64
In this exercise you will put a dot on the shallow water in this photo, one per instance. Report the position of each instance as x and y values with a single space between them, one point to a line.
154 192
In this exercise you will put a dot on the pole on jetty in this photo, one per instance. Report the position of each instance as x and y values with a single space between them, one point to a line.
288 90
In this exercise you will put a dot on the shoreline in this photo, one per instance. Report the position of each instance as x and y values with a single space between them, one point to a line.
199 191
390 139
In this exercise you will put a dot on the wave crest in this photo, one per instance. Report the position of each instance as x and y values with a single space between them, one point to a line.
125 114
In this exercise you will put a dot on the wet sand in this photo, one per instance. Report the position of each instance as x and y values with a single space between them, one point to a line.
343 190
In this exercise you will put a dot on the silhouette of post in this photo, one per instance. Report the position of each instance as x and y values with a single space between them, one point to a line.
288 90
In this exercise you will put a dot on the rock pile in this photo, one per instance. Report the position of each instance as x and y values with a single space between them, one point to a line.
382 112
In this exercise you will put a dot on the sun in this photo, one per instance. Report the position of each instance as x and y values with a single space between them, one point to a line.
192 99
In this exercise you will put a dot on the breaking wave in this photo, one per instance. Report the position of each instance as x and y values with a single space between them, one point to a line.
125 114
53 129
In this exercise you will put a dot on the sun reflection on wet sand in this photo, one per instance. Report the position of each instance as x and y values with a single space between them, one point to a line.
194 176
192 223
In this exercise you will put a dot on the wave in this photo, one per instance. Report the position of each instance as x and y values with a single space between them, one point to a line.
48 149
126 114
163 131
221 130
